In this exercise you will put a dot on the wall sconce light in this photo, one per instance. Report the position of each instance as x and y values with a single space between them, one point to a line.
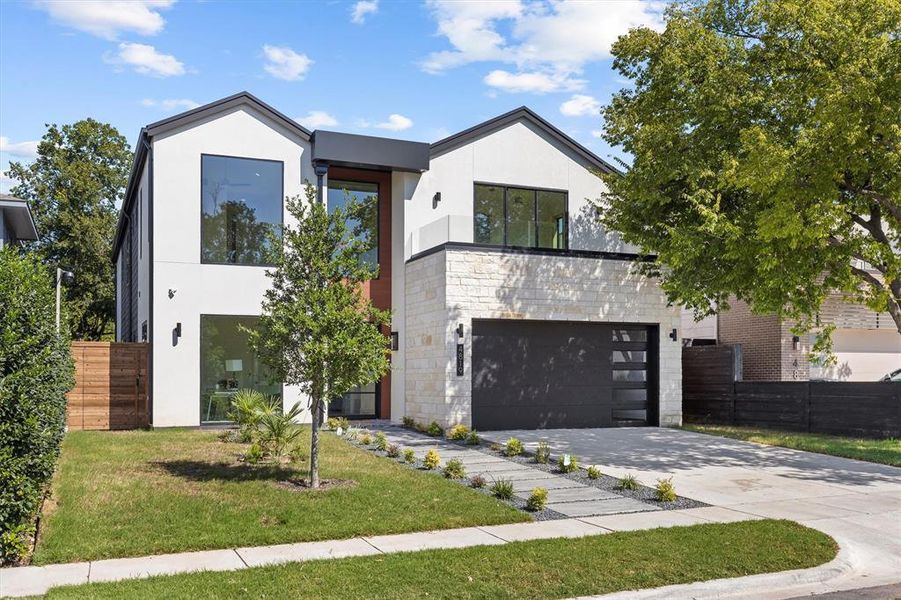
395 343
178 330
172 293
436 199
674 335
796 342
460 330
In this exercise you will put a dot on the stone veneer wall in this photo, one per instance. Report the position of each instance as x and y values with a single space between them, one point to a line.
458 285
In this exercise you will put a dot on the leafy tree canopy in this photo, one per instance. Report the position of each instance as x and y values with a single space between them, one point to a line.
767 162
318 330
74 187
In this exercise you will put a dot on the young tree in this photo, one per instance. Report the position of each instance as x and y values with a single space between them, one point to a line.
767 153
318 331
74 186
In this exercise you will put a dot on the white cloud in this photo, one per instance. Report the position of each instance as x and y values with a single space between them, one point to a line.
21 149
551 38
598 133
285 63
6 182
580 105
395 122
170 104
317 118
107 19
532 82
146 60
361 9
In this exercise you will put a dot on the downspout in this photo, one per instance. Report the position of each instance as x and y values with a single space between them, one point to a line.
150 264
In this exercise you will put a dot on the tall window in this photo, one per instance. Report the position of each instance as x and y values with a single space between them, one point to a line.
241 210
365 224
509 216
227 364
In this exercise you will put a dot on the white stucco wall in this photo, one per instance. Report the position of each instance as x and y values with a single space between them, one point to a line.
519 154
457 286
202 288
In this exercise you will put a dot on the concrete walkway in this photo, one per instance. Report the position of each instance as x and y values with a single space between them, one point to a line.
27 581
565 496
857 503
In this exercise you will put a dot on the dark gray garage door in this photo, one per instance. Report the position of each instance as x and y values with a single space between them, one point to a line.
548 374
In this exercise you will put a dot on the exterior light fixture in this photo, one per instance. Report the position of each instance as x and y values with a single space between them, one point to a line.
460 330
436 199
796 342
674 335
395 344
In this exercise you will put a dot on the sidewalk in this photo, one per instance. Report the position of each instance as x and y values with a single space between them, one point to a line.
27 581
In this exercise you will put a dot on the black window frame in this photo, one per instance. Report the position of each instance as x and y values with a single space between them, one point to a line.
378 217
535 190
281 223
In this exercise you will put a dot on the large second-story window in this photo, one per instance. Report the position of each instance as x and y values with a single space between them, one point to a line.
524 217
241 209
365 222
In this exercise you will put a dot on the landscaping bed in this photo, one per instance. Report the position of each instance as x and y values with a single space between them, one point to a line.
118 494
639 492
886 452
555 568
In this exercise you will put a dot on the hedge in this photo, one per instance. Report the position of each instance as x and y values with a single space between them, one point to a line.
36 371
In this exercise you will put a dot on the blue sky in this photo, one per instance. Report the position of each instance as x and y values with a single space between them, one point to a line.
416 71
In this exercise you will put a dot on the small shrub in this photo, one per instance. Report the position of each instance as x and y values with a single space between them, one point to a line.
229 436
458 432
393 450
353 434
297 454
434 429
247 409
473 439
381 442
431 460
565 467
477 481
454 469
537 499
495 447
666 492
629 482
365 438
254 454
278 432
334 423
543 453
409 456
593 472
502 489
513 447
409 423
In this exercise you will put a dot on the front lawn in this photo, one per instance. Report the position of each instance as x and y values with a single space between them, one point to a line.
134 493
886 452
557 568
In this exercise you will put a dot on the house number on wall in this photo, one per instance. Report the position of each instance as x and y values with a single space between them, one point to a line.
459 359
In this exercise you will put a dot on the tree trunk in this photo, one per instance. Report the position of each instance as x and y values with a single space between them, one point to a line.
314 444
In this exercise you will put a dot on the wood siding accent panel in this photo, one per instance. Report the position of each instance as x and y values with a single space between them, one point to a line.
110 389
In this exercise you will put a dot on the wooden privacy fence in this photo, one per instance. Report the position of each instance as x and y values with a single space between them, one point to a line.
713 393
110 386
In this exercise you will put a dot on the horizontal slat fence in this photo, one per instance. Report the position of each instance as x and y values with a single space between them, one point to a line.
712 393
110 386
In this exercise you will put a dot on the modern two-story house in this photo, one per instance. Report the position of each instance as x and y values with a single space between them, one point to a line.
511 306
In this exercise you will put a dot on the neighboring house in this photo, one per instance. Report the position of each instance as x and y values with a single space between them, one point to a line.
511 306
16 222
866 344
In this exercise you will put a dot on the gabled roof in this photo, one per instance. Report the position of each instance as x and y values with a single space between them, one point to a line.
527 114
239 99
19 217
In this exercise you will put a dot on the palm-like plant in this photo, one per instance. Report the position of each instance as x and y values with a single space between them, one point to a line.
248 408
278 433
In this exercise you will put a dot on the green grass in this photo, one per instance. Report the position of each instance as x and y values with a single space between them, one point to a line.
557 568
134 493
886 452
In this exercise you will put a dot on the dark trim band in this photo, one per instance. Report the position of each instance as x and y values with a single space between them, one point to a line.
569 253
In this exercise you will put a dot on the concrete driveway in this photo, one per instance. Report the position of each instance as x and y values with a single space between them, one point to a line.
857 503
